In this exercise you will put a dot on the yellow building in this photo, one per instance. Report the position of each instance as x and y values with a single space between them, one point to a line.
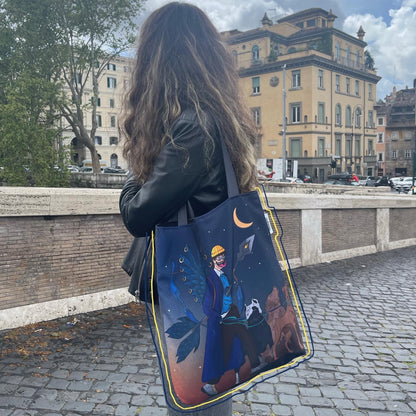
328 86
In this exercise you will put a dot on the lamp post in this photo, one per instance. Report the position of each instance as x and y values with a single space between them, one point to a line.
355 118
284 125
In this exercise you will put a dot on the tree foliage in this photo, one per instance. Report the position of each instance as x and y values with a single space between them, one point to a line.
69 43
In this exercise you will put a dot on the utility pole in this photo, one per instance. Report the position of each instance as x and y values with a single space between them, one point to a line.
284 124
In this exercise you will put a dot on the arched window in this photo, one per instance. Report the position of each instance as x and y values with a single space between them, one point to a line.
337 51
235 57
113 160
338 114
357 116
348 116
255 53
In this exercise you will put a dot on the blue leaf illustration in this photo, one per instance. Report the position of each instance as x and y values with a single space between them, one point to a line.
190 343
180 329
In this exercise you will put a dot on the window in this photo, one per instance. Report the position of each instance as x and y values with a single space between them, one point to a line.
295 116
358 117
348 148
111 82
408 154
320 78
380 121
256 116
338 145
98 102
113 121
113 160
126 68
295 147
321 147
235 57
348 85
338 115
111 67
357 59
394 135
310 23
337 51
256 85
99 120
370 147
98 140
321 112
296 78
348 56
357 150
337 83
255 53
408 135
348 121
113 141
357 88
370 91
380 137
111 102
380 156
394 154
370 119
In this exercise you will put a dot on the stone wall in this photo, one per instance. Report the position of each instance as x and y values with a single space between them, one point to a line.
61 249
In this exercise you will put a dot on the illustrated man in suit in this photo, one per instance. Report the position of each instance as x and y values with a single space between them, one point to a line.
228 339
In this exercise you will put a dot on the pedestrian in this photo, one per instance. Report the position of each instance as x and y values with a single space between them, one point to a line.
184 99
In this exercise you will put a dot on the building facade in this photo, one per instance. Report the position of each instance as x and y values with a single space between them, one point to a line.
323 81
400 131
112 86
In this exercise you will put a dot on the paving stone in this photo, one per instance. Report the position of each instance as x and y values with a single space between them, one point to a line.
303 411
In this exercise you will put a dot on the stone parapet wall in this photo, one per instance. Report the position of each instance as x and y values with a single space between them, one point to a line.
61 249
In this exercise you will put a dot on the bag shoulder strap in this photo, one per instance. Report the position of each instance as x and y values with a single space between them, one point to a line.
232 185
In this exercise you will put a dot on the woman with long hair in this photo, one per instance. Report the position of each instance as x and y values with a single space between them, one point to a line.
184 99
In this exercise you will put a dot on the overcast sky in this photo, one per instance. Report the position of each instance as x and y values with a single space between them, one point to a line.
390 27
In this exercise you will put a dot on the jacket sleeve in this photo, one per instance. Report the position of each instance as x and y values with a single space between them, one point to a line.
176 176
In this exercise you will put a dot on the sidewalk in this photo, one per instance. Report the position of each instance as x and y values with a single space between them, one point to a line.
363 317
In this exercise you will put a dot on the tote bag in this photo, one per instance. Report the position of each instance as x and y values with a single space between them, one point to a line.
230 313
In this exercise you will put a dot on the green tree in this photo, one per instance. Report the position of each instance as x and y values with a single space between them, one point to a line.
78 38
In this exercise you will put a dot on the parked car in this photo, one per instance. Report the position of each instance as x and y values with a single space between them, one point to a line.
341 179
384 181
293 180
394 181
305 178
404 184
366 180
114 170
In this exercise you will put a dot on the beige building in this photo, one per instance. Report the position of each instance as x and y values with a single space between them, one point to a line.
112 86
400 131
327 83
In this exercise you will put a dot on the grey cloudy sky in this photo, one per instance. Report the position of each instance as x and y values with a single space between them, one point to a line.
390 27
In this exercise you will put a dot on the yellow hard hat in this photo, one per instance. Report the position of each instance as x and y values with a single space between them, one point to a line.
216 251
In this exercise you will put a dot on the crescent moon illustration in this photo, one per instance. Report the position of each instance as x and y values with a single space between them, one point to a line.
239 223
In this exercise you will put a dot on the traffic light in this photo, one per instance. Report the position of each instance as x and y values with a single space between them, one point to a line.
333 163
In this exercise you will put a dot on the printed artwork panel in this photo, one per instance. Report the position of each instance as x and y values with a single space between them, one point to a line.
225 302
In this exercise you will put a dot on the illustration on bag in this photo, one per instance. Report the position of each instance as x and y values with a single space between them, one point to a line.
214 328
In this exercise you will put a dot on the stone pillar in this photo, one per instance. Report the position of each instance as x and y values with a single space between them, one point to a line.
383 229
311 236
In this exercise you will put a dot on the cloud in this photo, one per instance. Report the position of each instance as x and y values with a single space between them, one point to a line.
392 46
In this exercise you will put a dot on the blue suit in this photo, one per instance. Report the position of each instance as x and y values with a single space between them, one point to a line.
214 366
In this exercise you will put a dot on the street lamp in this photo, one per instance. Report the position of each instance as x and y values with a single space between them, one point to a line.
356 120
284 124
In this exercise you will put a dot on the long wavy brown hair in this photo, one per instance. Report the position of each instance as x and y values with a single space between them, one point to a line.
181 63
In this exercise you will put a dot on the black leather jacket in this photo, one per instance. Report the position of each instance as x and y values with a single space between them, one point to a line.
180 175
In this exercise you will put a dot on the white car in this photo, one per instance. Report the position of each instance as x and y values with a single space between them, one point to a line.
403 185
293 180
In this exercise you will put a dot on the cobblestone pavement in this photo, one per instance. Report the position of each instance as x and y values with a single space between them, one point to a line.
362 314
